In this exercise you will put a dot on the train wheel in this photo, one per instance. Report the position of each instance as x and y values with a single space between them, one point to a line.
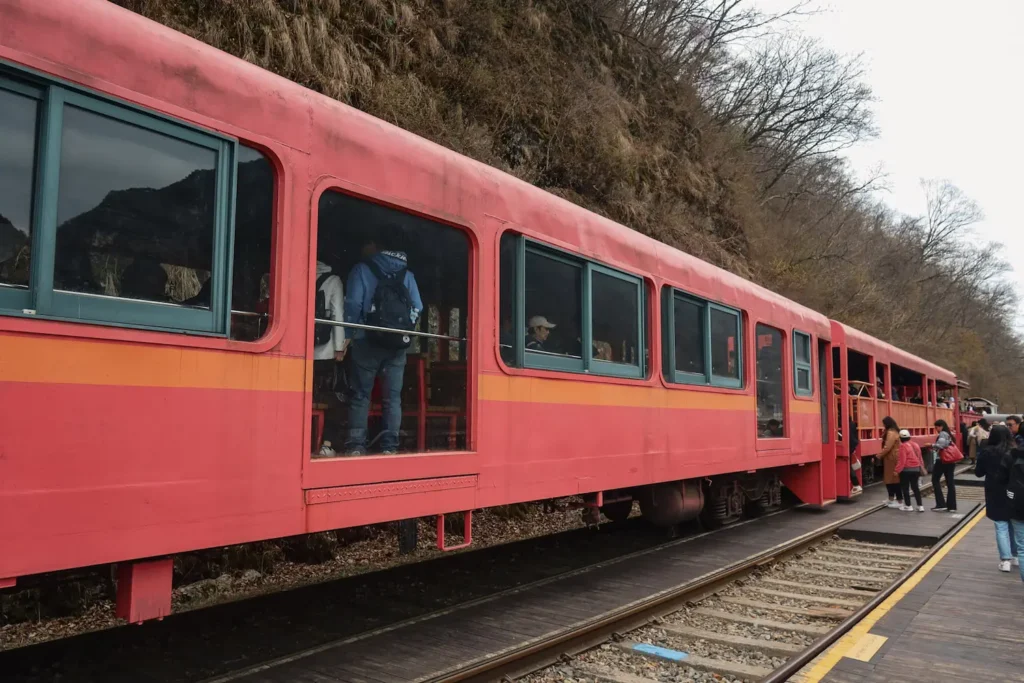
618 511
723 506
770 500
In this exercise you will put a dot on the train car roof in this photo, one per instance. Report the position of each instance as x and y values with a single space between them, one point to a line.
884 352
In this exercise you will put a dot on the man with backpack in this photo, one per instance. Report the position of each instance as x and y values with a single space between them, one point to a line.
328 340
381 292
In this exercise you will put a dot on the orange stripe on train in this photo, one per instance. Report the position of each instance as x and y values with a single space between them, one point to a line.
70 361
568 392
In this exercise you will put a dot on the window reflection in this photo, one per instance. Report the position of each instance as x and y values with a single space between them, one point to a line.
135 212
770 394
18 126
616 336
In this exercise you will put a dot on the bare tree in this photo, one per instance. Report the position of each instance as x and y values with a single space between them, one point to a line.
794 100
693 36
950 216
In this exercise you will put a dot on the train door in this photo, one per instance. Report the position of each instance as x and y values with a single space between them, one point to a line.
826 405
389 327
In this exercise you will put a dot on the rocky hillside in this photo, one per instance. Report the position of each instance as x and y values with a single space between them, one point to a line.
678 118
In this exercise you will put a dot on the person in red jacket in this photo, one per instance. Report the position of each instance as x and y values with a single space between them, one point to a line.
909 464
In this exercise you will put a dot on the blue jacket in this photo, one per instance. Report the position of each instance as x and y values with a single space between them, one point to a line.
362 284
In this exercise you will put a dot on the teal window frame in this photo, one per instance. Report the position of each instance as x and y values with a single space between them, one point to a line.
708 378
41 300
800 364
586 364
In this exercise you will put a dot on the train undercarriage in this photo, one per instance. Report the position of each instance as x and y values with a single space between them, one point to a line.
715 501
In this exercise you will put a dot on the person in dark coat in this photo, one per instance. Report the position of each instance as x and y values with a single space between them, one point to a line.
993 464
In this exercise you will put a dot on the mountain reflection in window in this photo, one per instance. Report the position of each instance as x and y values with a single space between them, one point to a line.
18 123
135 212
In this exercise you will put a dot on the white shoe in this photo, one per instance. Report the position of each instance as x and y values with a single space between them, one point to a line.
856 489
326 451
1015 562
1004 566
893 504
920 508
907 508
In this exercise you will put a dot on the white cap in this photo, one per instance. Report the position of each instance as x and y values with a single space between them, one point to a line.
904 434
540 321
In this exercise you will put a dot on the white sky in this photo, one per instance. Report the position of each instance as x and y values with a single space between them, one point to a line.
948 77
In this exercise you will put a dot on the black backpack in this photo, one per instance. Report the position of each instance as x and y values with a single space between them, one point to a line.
321 332
391 308
1015 485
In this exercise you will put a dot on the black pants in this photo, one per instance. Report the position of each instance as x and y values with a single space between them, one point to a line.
944 469
893 490
908 480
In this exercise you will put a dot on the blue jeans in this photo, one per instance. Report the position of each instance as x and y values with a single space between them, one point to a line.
1017 528
369 362
1005 541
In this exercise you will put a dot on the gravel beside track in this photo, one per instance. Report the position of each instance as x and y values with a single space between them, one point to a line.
744 630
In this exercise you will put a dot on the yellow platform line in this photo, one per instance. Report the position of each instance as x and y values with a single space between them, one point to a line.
853 637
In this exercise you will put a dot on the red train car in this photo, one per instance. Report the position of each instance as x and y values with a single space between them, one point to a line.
873 379
165 214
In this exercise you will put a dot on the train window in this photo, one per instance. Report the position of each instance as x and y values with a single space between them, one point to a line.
19 114
802 363
689 338
561 312
554 311
390 369
725 336
616 301
771 421
703 341
112 215
508 276
250 265
129 201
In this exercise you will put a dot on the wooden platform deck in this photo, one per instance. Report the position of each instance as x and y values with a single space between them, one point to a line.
913 529
961 620
472 632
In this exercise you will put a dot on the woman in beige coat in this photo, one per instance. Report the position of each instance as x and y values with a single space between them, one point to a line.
889 455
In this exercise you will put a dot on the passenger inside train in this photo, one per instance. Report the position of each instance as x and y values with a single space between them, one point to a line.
390 371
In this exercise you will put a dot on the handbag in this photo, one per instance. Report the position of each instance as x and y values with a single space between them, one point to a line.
951 454
855 466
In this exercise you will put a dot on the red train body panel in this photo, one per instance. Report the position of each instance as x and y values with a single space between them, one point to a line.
121 444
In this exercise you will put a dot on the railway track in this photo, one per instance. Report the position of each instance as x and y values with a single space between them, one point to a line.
749 628
759 620
320 618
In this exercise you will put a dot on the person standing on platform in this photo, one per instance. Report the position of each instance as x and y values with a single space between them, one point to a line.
889 455
994 466
1013 424
909 464
944 468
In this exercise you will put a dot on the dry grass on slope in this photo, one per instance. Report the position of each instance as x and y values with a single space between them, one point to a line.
542 90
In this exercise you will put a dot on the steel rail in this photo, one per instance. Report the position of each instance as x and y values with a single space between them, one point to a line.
538 654
798 662
533 656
